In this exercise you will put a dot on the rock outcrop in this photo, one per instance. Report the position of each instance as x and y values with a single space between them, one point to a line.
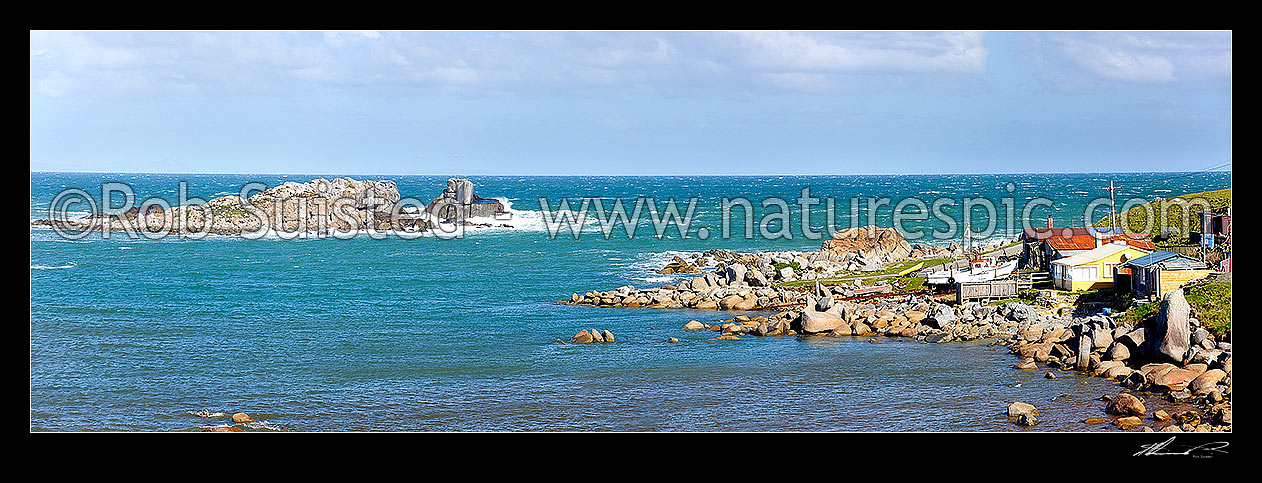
457 203
873 243
319 206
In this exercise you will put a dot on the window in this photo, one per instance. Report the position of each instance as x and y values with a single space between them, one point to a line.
1080 274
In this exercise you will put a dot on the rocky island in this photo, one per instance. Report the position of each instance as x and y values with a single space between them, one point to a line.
317 207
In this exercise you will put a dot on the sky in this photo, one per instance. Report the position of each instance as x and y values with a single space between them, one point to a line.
629 102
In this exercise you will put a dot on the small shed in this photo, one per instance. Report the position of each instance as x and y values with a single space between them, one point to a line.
1162 271
1093 268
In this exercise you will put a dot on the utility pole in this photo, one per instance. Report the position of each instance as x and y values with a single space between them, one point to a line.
1113 208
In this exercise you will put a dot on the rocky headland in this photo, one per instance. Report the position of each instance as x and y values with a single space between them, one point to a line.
1168 356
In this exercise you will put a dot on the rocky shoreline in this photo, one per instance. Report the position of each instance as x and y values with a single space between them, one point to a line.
1169 356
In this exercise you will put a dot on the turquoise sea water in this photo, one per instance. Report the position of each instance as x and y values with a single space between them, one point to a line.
458 335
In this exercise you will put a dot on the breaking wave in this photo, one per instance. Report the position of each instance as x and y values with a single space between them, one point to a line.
50 267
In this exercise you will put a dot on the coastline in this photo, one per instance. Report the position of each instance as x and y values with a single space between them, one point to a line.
1044 340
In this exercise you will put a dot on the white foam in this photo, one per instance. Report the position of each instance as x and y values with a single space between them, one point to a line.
49 267
526 220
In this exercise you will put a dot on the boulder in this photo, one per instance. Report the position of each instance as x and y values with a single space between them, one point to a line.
694 325
816 322
1101 338
1174 379
1173 327
1155 370
1118 352
735 273
1125 404
860 329
1117 371
1135 339
678 265
748 303
699 284
1104 366
223 429
596 337
242 418
1018 409
940 317
608 336
841 330
1206 382
1032 332
729 302
756 278
1129 422
582 337
1017 311
1084 351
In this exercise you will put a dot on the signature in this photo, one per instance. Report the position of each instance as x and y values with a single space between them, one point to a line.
1158 449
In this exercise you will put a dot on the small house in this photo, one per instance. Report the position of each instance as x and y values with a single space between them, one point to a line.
1044 245
1094 268
1161 271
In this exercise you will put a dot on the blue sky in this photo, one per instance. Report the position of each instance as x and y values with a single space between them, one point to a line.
635 103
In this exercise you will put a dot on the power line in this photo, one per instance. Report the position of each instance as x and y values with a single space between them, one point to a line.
1206 170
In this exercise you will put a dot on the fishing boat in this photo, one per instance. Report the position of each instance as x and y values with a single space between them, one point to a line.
980 269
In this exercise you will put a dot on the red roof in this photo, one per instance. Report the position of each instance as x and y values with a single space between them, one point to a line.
1081 238
1045 233
1137 240
1076 242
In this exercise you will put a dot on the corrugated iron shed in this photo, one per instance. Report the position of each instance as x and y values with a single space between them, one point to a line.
1076 242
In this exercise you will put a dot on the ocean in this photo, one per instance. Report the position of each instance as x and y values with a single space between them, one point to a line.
435 334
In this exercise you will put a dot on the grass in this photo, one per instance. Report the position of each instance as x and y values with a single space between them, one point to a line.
1212 302
794 265
898 267
1136 219
1004 301
1140 313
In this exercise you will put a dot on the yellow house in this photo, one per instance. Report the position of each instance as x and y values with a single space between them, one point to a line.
1093 268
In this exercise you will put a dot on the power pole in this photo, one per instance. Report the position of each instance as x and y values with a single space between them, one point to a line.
1113 208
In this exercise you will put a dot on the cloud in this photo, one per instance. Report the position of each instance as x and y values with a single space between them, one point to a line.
114 63
1080 61
865 52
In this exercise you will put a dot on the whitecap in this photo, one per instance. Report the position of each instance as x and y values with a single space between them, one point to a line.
49 267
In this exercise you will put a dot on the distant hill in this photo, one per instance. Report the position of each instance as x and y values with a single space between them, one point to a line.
1176 209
